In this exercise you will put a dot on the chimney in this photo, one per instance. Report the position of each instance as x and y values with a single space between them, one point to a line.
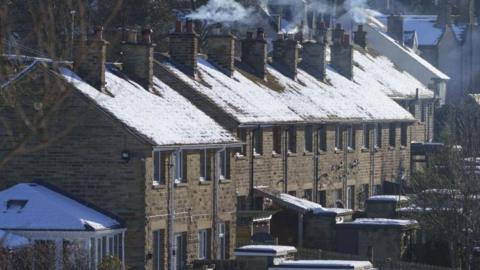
337 34
342 57
90 59
221 50
138 57
285 55
321 33
314 58
395 27
444 13
360 37
254 52
184 47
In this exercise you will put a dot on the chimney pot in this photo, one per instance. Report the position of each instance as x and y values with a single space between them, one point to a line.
190 26
178 26
280 36
98 32
360 37
147 35
131 36
260 34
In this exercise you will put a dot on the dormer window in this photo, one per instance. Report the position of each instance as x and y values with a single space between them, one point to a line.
16 205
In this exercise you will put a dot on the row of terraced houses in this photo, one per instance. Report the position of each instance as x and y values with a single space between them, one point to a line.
180 147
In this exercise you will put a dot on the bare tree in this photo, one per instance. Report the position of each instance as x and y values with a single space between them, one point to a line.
447 193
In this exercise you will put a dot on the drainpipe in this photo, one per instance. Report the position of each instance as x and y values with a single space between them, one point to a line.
316 157
300 230
216 181
372 158
285 162
252 172
345 167
171 211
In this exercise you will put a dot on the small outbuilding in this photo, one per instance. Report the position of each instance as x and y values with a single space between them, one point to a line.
377 238
260 257
323 265
384 206
63 230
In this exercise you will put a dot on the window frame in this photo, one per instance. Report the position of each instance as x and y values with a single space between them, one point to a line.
366 136
277 140
322 139
257 137
351 142
339 138
205 165
224 164
203 244
179 172
242 135
350 200
158 249
159 170
378 136
292 139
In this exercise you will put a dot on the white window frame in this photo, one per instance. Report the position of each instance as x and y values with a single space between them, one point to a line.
158 168
203 244
222 241
375 136
366 136
157 254
308 139
350 138
179 177
204 158
338 134
257 141
223 155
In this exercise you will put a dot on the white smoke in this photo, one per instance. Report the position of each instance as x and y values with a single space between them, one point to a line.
359 10
222 11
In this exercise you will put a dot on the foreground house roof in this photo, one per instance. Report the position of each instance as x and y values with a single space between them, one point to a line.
34 207
280 99
163 116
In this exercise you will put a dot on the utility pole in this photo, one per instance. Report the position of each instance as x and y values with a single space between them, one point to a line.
72 12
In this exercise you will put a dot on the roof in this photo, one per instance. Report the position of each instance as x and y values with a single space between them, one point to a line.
249 100
164 117
387 198
11 241
30 206
264 250
380 222
324 264
299 204
428 32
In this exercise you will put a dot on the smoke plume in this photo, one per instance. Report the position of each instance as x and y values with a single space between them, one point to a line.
359 10
222 11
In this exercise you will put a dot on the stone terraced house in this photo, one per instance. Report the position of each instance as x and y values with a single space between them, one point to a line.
135 148
325 131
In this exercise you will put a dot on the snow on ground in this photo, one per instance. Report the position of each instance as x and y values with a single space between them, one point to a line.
166 119
36 207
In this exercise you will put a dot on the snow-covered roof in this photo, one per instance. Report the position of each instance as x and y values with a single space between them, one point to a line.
323 264
264 250
428 32
379 72
30 206
388 198
281 99
11 241
384 222
164 118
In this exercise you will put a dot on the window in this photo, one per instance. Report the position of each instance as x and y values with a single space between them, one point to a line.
366 191
308 139
366 136
223 237
159 167
339 198
180 167
203 244
392 135
180 251
339 138
350 197
158 249
377 189
242 203
378 136
351 138
277 140
404 134
322 198
307 194
292 139
242 135
322 139
292 193
205 165
257 135
224 164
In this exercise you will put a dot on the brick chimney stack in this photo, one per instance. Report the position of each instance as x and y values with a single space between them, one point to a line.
342 57
184 47
395 27
221 50
360 37
337 34
285 55
314 60
254 52
90 59
322 33
138 57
